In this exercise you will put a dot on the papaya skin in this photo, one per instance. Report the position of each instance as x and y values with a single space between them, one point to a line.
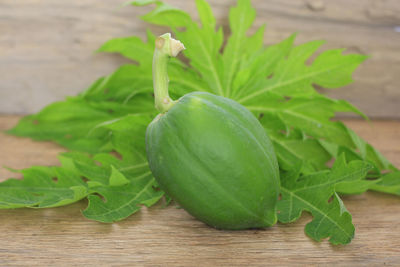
213 157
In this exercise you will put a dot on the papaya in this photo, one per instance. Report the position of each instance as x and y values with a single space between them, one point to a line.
211 155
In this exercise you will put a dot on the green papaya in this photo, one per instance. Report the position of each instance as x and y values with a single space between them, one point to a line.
213 157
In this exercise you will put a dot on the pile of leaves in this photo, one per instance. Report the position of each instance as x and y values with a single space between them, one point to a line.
105 125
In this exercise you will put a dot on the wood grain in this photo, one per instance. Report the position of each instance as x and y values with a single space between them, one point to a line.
46 47
161 236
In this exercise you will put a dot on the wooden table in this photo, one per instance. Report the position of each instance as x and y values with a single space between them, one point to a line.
161 236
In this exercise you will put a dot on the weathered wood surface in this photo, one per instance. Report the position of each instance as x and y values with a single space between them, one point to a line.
46 47
170 237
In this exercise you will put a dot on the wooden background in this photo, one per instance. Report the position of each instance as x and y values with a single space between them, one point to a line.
46 46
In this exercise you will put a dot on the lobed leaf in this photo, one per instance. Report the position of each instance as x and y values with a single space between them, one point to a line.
120 201
42 187
122 178
293 77
276 82
241 18
312 193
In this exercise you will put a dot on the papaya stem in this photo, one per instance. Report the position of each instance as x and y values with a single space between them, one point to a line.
166 47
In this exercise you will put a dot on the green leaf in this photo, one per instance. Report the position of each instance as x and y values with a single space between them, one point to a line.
42 187
293 77
275 82
311 115
75 123
241 18
117 178
122 177
259 65
164 14
133 48
206 43
389 183
294 151
297 125
122 201
131 182
312 193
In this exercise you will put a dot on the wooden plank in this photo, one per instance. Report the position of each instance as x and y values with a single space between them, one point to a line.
170 237
47 46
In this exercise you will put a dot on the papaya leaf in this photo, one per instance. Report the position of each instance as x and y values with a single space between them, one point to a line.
122 178
312 193
120 201
163 14
257 66
42 187
292 151
311 115
207 42
292 77
74 123
275 82
388 183
132 48
128 182
361 150
241 19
